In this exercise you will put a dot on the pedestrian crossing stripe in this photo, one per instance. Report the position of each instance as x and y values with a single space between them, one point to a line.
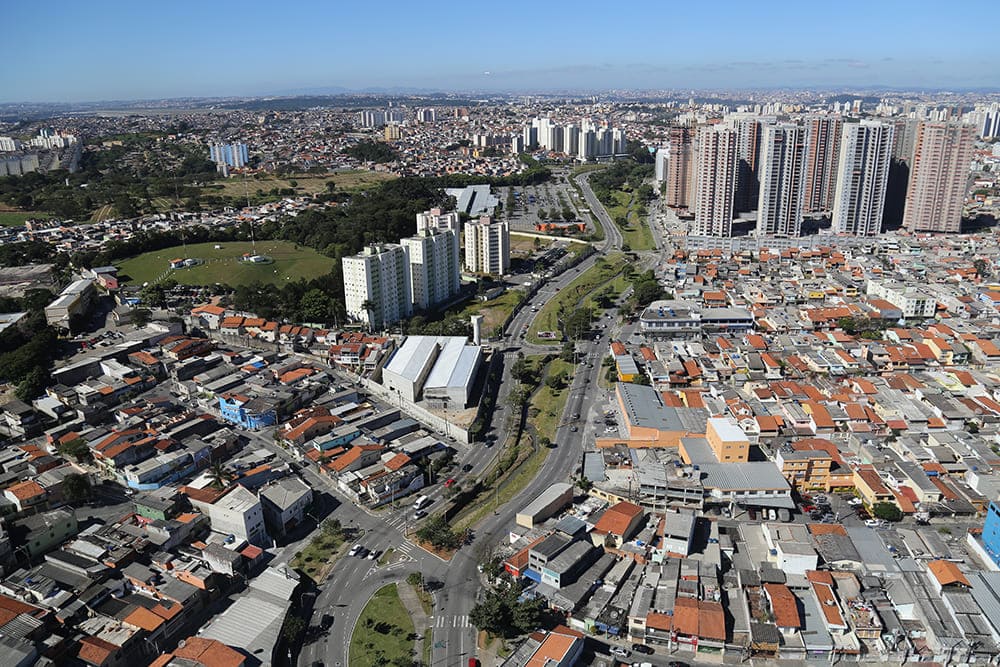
452 622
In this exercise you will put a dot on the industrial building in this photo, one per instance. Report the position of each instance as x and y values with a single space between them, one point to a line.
546 505
438 369
72 301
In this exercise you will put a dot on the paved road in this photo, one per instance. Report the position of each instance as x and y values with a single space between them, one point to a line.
354 580
462 582
612 235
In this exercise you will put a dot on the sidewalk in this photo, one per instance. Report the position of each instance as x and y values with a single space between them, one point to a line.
421 622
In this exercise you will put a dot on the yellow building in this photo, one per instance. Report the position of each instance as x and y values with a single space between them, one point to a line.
727 440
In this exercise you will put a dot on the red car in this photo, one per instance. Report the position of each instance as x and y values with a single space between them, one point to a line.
449 482
808 508
473 662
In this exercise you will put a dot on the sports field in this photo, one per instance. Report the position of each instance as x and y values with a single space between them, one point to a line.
224 265
17 218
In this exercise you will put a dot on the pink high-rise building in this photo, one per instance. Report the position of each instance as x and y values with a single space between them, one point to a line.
715 181
822 152
935 195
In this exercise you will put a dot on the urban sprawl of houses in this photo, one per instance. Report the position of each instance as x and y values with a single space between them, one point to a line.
796 455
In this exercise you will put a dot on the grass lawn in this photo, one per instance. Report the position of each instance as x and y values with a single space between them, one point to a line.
584 284
383 633
495 311
544 413
17 218
224 265
636 234
550 403
314 558
305 183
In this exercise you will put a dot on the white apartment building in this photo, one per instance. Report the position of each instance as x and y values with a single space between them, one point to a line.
862 176
434 267
238 513
935 194
913 302
377 285
487 247
437 220
10 144
782 172
715 181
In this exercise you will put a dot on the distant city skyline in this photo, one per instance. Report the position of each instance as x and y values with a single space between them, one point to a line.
115 50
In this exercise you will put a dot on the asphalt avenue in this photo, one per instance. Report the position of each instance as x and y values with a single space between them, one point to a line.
456 584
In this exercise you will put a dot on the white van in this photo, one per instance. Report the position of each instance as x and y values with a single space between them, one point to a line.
422 502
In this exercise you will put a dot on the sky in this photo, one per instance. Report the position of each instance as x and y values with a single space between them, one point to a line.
72 51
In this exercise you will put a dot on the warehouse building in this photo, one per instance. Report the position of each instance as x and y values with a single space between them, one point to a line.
440 370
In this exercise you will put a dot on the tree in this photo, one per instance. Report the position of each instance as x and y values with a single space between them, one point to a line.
577 323
33 384
415 579
293 628
502 613
332 528
584 484
438 533
647 291
555 381
982 267
76 448
218 476
316 306
887 512
141 317
568 351
76 487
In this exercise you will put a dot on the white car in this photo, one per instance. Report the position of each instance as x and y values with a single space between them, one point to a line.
355 550
620 652
854 502
873 523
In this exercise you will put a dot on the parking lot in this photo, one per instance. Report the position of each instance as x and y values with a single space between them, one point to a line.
554 201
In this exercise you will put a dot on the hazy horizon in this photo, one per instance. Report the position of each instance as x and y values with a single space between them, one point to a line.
117 51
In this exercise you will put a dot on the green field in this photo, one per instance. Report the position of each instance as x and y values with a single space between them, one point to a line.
355 179
224 265
520 465
585 284
383 634
17 218
636 234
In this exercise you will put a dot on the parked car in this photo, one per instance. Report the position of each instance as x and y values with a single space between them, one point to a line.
642 648
620 652
873 523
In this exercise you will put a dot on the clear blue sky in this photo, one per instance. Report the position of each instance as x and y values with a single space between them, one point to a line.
68 50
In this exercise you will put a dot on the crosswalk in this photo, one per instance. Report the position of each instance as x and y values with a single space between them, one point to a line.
399 522
452 622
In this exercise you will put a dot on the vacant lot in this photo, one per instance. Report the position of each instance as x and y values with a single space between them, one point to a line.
223 265
304 183
384 632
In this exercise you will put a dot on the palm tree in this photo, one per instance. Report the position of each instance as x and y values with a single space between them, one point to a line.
217 473
369 308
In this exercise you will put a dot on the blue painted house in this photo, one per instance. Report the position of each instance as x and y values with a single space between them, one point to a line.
250 413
